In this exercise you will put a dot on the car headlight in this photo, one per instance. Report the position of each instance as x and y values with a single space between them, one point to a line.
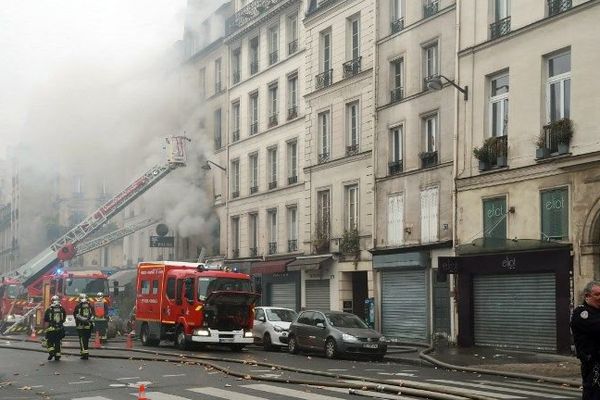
382 339
277 329
201 332
248 334
349 338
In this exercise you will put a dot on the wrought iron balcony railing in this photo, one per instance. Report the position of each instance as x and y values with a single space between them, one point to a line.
352 149
396 94
430 9
323 157
247 14
352 67
558 6
500 28
292 245
235 135
254 128
324 79
273 57
397 25
272 185
292 112
235 194
272 247
292 46
429 159
253 251
253 189
292 179
235 77
253 67
272 120
395 167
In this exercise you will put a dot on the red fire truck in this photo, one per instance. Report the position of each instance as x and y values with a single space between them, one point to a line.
193 303
13 300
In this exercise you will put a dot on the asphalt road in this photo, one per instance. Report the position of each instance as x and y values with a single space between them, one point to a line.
26 375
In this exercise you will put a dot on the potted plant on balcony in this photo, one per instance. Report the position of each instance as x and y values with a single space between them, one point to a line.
563 131
541 151
321 240
350 244
484 154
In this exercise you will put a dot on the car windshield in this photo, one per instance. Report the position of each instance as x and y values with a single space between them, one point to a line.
346 321
281 314
208 285
89 286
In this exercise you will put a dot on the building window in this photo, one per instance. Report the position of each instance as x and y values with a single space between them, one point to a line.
501 24
235 236
324 136
352 111
430 62
395 226
202 82
292 96
430 7
254 113
397 23
558 6
292 153
325 78
272 231
77 185
218 84
217 122
555 214
253 161
235 121
499 89
494 218
292 33
397 78
429 215
272 105
253 234
430 133
273 45
272 157
235 66
558 98
292 229
235 179
395 163
353 66
323 213
254 55
351 202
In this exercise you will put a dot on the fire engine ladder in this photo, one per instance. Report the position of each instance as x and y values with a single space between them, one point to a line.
101 241
39 265
24 317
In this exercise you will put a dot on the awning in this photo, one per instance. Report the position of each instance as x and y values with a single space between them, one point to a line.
308 263
269 267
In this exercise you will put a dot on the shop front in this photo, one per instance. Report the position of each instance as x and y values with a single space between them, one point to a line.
316 278
279 288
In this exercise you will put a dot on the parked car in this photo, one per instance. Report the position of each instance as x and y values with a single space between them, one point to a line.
271 325
335 333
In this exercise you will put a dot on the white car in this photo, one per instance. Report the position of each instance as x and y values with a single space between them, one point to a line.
271 325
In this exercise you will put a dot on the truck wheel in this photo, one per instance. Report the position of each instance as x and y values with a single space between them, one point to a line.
180 340
237 347
145 337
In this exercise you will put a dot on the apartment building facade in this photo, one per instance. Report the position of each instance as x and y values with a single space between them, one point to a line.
527 168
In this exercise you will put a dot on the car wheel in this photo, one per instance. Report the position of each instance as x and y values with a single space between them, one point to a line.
330 348
293 345
267 344
180 340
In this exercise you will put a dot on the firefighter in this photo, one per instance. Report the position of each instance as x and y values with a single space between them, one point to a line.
55 316
101 313
84 315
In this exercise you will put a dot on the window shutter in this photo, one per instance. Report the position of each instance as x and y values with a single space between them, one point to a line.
425 216
433 215
392 228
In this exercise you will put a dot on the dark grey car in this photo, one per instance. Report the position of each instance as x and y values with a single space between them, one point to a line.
335 333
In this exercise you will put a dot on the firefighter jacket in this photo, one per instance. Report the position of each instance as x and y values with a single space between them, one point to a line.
585 325
55 316
84 314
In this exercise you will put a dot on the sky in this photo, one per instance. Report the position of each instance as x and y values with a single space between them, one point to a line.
94 83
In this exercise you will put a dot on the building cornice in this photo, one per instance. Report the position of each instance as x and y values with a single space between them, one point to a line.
415 171
338 161
256 17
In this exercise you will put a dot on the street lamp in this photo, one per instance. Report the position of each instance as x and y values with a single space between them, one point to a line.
435 83
207 167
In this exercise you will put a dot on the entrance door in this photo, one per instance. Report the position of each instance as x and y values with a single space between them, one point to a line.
441 305
360 291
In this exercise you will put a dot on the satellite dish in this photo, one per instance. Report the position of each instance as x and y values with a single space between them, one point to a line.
162 229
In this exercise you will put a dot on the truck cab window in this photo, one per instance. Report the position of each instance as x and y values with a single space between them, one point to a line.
179 290
155 287
145 287
171 288
189 289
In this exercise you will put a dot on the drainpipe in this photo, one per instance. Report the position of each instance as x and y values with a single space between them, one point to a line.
374 158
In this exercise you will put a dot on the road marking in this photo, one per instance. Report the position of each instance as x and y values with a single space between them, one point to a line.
365 393
547 385
498 388
91 398
299 394
36 386
128 378
261 370
224 394
337 369
373 369
467 392
117 385
539 388
397 373
80 382
161 396
171 375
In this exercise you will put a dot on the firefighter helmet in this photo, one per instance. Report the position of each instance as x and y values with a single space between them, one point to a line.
100 294
82 298
55 300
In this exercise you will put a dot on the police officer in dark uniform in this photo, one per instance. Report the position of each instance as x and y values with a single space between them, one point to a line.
585 325
84 315
55 316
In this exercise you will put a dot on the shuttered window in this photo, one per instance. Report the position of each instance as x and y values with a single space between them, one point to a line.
494 218
429 215
395 219
555 214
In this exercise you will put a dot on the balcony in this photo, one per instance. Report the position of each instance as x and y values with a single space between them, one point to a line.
499 28
235 77
272 185
235 253
351 67
396 94
253 10
254 128
292 47
253 251
235 135
395 167
555 138
397 25
272 247
352 149
429 159
323 157
292 245
273 57
431 9
557 6
292 179
235 194
218 87
253 189
324 79
493 153
292 112
253 67
272 120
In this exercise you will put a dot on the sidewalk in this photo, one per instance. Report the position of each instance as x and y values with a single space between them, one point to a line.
550 365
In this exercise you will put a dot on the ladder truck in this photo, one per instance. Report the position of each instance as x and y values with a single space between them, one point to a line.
33 274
